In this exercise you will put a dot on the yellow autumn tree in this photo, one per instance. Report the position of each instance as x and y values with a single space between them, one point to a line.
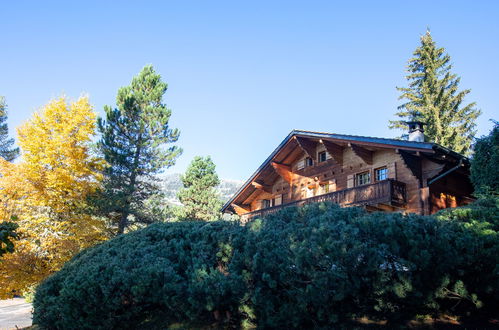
47 193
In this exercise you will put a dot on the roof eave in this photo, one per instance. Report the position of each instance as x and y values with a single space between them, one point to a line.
265 163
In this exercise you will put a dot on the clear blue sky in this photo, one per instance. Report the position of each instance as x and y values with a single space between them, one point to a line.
242 75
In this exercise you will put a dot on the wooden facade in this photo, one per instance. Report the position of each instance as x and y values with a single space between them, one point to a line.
379 174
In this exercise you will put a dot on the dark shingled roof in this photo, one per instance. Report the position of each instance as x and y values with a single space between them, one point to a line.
356 138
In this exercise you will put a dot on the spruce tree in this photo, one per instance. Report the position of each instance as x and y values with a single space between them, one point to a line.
432 96
198 196
6 143
136 142
484 173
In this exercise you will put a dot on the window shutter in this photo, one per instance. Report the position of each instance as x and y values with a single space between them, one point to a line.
392 170
278 200
301 164
350 181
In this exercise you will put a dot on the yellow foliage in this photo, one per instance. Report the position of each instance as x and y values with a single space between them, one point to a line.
47 191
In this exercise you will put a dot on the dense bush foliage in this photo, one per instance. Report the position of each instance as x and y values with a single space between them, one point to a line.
319 265
316 266
484 173
173 271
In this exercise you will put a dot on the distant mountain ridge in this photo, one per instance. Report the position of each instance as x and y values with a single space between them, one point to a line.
171 184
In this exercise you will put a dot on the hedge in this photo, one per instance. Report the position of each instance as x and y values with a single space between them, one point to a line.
171 272
318 266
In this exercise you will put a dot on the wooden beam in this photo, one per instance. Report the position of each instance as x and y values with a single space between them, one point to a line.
432 172
251 197
364 154
380 207
241 209
262 187
385 207
372 208
292 156
334 150
307 146
412 162
284 171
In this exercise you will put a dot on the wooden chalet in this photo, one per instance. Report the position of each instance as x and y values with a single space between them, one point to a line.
377 173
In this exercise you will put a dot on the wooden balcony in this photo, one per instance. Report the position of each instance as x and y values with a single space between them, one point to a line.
387 192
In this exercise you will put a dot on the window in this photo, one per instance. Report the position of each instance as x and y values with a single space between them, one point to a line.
322 156
309 162
266 203
362 178
381 174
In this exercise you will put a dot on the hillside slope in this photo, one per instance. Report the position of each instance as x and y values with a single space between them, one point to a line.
171 184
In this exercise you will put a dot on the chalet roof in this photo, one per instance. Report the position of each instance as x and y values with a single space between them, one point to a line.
358 138
426 147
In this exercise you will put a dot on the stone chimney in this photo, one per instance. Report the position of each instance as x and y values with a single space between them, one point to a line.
416 131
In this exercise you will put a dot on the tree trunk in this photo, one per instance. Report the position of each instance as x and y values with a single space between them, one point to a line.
123 223
133 177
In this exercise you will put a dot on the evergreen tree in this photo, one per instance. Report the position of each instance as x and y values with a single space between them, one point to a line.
199 198
6 143
484 173
135 138
432 97
7 236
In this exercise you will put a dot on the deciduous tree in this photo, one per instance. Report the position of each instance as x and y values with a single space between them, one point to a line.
135 142
47 191
432 96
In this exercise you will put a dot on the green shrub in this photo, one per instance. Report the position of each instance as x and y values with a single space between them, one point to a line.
484 173
477 246
173 272
319 266
297 265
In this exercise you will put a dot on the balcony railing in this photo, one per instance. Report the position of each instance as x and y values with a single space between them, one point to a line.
390 192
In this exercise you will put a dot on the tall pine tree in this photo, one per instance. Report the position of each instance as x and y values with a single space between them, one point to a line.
199 197
135 139
432 97
6 143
